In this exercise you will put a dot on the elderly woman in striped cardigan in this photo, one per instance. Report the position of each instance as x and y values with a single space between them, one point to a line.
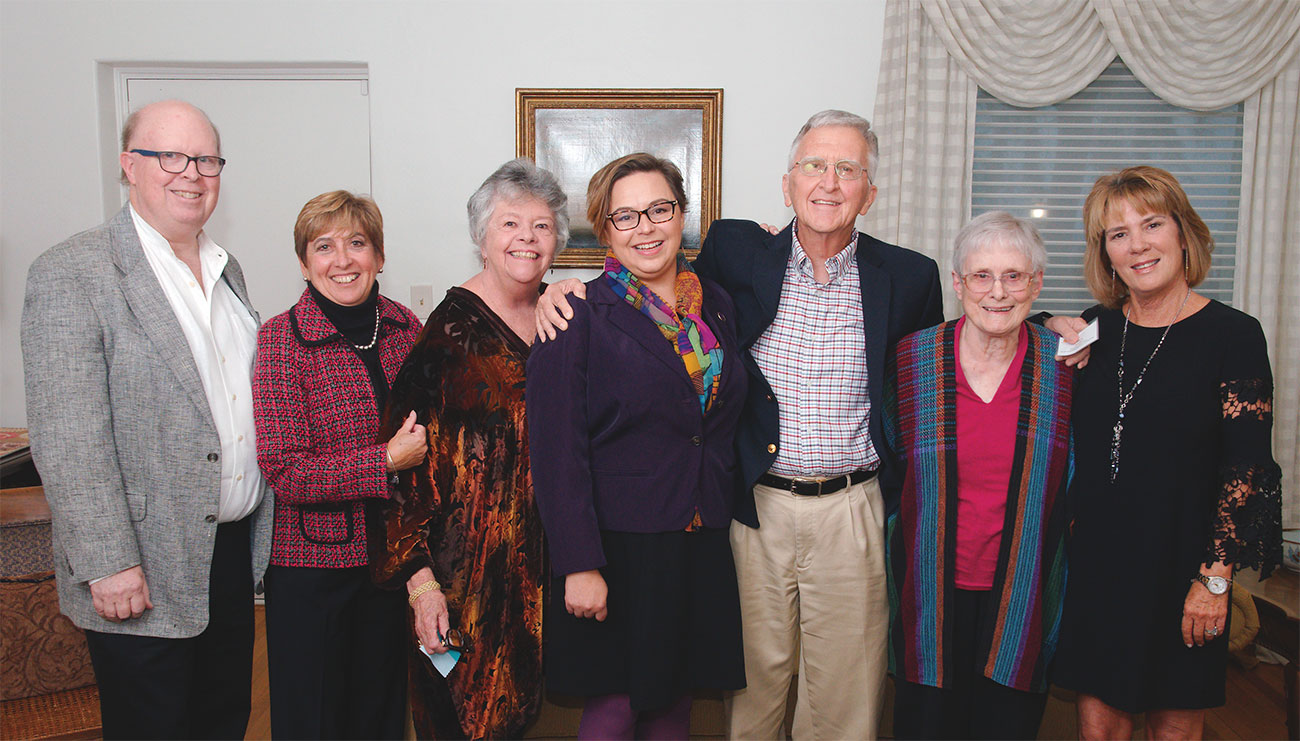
978 412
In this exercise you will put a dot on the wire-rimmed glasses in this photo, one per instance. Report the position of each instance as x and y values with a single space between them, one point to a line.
815 167
1013 281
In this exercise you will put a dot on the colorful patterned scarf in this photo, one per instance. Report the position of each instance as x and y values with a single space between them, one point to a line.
684 327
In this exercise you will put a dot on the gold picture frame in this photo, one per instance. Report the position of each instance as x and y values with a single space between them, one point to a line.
573 132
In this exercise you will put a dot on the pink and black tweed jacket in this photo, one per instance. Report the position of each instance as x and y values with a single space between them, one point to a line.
316 431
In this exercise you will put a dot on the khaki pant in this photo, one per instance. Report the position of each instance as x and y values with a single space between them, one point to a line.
812 590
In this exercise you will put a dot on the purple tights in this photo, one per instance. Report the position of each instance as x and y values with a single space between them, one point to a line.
612 717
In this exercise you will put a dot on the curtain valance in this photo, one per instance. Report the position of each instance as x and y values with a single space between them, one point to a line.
1188 52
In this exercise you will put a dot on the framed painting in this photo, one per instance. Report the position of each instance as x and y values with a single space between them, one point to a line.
574 132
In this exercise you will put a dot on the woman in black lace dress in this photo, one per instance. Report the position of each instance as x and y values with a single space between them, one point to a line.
1175 484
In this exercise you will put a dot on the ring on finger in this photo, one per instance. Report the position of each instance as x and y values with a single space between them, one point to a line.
1212 631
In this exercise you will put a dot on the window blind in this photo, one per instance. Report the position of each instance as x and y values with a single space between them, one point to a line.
1040 163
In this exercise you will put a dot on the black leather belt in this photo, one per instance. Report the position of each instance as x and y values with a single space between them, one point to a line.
813 487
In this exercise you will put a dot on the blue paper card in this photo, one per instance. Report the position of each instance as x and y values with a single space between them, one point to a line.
444 663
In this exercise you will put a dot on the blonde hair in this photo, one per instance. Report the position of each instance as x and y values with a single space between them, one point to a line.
1148 190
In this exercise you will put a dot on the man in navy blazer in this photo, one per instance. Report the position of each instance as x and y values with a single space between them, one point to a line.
817 307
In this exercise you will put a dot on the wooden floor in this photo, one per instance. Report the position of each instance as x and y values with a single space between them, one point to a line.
1255 709
259 722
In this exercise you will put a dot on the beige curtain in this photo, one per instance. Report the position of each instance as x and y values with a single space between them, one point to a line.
1203 54
926 141
1193 53
1268 258
1027 54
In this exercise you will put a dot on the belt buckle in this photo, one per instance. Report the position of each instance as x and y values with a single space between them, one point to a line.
808 480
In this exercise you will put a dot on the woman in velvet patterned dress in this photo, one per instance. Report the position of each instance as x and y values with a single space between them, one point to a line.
463 533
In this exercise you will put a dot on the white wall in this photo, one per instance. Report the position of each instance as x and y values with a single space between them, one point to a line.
442 75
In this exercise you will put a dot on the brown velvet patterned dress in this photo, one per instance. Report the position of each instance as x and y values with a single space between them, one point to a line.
468 513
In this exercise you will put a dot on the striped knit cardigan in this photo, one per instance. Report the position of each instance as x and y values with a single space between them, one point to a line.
921 426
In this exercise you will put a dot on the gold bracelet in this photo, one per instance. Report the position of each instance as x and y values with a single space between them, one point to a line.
428 586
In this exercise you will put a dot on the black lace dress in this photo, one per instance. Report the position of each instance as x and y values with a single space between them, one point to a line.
1197 483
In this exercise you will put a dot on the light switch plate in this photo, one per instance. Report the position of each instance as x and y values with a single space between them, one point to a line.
422 300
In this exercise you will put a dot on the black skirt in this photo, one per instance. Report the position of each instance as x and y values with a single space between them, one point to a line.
673 624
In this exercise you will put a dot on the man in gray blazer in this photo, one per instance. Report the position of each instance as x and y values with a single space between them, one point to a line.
138 341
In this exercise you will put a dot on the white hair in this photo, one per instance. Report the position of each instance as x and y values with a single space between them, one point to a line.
998 228
833 117
518 178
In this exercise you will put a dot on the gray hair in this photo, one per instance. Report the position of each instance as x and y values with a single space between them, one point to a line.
133 122
518 178
833 117
999 228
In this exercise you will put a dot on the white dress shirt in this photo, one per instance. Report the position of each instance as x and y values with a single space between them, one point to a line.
222 336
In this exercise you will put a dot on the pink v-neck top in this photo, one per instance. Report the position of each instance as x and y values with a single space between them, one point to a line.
986 439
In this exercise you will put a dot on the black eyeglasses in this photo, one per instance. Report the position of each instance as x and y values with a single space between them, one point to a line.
209 165
629 218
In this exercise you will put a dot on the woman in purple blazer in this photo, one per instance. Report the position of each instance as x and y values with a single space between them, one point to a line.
631 415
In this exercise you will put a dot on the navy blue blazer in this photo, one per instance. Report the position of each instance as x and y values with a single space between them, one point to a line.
900 294
616 439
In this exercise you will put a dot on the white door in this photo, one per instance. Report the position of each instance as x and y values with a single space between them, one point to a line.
285 141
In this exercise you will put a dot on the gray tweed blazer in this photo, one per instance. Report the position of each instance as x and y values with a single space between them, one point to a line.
122 432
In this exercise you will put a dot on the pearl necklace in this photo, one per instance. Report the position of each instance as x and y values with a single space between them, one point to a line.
374 337
1124 399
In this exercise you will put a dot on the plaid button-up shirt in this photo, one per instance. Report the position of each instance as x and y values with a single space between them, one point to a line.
814 355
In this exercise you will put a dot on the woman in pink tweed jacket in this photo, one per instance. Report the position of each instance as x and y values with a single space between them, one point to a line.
323 369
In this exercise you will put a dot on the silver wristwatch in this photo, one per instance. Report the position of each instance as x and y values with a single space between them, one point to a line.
1216 584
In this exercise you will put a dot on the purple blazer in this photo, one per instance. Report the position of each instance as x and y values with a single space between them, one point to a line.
616 439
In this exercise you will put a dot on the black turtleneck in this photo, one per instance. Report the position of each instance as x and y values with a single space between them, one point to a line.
357 325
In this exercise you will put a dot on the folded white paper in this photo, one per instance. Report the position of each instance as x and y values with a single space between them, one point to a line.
1087 336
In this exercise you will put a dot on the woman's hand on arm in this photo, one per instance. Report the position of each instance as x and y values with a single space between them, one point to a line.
1203 611
585 594
553 310
431 618
407 447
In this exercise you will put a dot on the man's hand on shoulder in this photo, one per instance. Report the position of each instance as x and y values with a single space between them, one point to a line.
122 596
553 308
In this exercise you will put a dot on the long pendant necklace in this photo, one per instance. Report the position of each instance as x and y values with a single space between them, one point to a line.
374 337
1124 399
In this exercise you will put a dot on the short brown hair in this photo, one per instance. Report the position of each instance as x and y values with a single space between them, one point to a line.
601 186
1148 190
338 208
